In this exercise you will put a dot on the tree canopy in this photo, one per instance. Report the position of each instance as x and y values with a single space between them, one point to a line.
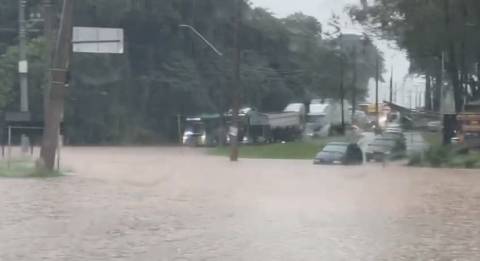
435 34
167 71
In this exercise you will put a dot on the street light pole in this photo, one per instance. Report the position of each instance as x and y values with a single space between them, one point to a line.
342 91
377 76
342 81
23 63
197 33
391 85
49 36
236 92
234 132
354 85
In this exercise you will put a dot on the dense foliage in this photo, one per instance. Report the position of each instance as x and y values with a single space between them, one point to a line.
167 71
432 31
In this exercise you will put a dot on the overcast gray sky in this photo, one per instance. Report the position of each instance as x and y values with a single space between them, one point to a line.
323 10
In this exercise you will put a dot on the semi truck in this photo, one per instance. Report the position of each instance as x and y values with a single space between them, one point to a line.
203 130
326 115
287 125
254 126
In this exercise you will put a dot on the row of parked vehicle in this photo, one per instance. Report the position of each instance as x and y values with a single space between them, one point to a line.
391 144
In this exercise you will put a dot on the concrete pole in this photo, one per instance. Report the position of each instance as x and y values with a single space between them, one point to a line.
9 150
179 129
49 36
235 131
377 79
391 86
354 85
395 93
23 63
342 91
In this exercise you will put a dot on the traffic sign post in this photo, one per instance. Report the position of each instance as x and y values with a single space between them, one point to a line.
79 40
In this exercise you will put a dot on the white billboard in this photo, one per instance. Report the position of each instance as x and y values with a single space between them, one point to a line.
98 40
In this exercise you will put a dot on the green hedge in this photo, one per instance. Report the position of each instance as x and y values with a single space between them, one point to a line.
446 157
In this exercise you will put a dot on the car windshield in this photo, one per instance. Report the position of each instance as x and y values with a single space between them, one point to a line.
315 118
392 130
393 135
337 148
195 128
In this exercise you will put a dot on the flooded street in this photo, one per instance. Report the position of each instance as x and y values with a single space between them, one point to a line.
179 204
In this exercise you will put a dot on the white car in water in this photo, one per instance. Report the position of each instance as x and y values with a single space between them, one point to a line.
434 126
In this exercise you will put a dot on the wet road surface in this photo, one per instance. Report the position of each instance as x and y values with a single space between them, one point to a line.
178 204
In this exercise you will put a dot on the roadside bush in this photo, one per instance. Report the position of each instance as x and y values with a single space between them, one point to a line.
473 161
436 156
470 162
446 156
415 159
456 162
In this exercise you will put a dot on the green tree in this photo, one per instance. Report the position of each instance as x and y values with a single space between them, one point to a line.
167 71
428 30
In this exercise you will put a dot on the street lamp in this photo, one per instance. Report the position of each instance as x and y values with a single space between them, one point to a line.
196 32
236 102
340 54
234 130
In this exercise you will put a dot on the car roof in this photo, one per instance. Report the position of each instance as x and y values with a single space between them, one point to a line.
384 138
393 132
345 144
338 143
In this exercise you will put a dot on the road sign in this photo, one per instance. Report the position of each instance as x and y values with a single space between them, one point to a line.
23 66
233 131
97 40
18 116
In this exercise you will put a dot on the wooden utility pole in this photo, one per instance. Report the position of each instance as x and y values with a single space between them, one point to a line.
235 129
59 69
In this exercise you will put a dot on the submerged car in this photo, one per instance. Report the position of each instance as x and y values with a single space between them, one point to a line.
385 147
435 126
395 135
393 130
341 153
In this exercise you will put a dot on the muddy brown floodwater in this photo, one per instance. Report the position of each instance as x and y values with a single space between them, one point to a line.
179 204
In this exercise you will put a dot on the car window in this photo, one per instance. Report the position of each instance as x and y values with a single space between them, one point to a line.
383 143
335 148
